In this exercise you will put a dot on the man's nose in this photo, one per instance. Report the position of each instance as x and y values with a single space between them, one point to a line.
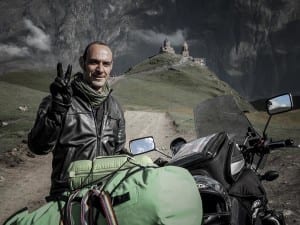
100 67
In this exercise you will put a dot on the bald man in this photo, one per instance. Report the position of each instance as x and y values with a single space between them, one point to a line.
80 119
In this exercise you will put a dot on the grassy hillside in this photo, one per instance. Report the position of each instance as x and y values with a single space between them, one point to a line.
38 80
22 88
19 123
155 62
165 83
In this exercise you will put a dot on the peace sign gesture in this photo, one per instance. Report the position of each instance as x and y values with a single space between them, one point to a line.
61 89
62 78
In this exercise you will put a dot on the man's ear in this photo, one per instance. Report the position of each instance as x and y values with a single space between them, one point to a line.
81 63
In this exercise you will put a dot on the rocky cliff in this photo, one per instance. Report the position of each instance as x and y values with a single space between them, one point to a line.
251 44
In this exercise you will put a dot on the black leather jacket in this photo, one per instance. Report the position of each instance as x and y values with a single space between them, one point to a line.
74 136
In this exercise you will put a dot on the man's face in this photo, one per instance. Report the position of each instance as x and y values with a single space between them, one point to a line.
98 65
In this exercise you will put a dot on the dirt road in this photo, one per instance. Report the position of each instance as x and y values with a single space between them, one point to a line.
28 183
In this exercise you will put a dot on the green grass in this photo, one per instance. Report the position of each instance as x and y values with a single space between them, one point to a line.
19 123
38 80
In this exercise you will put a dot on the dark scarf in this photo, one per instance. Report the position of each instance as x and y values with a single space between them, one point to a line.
95 98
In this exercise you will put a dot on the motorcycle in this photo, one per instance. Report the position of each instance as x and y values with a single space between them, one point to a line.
226 165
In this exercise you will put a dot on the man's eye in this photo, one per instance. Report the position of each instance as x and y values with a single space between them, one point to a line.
106 63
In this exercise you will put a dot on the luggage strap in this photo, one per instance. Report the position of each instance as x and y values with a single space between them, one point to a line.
104 199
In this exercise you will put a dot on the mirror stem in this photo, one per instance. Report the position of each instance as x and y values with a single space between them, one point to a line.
163 153
264 133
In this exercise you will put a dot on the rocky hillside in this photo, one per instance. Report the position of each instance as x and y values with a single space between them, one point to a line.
251 44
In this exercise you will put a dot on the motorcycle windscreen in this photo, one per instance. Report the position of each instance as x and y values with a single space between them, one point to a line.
223 114
220 114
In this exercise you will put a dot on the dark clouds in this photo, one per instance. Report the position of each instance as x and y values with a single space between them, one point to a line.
152 37
36 39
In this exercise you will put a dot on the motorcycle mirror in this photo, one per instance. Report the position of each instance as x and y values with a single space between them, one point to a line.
142 145
279 104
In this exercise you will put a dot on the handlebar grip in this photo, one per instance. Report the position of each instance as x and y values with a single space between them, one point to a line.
281 144
289 142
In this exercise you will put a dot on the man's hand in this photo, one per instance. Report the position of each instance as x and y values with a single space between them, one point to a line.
61 89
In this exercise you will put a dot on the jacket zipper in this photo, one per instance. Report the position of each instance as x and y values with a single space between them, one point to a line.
104 119
99 134
96 130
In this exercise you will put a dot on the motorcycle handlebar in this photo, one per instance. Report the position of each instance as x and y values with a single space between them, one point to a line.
281 144
268 145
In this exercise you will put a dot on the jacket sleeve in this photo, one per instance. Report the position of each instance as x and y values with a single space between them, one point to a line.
121 135
44 134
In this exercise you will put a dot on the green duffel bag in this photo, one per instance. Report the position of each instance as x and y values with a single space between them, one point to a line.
83 173
134 193
150 196
140 192
47 214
